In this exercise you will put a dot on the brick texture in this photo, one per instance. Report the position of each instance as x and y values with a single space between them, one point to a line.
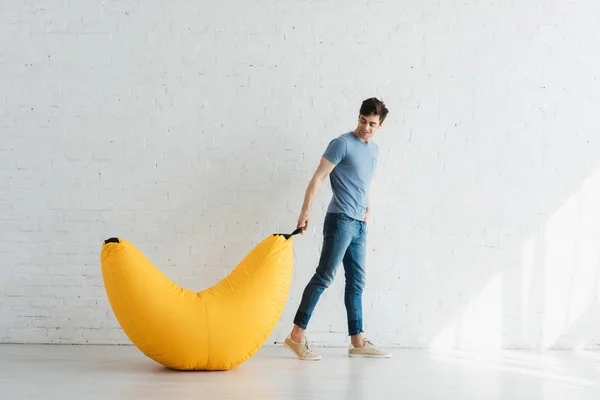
192 130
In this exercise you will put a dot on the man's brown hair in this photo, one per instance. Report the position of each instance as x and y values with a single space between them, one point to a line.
374 106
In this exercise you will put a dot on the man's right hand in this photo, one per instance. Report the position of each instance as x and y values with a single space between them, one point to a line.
303 221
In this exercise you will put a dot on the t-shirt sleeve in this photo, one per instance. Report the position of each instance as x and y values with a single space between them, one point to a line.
336 150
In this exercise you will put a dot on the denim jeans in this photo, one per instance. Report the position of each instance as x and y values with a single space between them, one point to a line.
344 242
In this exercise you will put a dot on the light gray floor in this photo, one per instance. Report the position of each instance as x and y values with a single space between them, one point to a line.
122 372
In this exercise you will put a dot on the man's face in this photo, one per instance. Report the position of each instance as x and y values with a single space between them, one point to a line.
367 126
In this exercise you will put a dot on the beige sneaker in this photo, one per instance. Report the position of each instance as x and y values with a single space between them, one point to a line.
301 350
368 350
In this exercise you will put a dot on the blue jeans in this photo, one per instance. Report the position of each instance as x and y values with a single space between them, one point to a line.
344 242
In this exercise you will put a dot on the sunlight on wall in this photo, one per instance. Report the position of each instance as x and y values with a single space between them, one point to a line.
571 260
559 281
480 325
527 312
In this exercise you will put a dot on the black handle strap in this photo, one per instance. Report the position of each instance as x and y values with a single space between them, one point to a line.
289 235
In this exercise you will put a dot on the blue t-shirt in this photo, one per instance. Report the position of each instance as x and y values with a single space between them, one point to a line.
355 162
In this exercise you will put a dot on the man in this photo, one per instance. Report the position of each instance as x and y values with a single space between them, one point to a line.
349 161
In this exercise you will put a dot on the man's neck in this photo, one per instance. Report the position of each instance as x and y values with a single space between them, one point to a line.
355 133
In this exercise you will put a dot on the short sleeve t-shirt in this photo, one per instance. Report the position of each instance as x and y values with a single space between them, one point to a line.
355 162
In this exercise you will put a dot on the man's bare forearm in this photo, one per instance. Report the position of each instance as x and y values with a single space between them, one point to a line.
311 191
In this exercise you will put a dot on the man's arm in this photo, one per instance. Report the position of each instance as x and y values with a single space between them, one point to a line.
323 170
368 210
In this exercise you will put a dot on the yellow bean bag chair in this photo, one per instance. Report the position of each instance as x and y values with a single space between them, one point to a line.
215 329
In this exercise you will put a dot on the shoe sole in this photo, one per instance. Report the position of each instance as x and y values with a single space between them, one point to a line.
300 358
369 356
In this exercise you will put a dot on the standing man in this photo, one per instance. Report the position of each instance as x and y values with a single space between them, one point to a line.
349 161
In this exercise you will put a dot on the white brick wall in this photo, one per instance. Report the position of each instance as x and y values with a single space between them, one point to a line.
192 129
